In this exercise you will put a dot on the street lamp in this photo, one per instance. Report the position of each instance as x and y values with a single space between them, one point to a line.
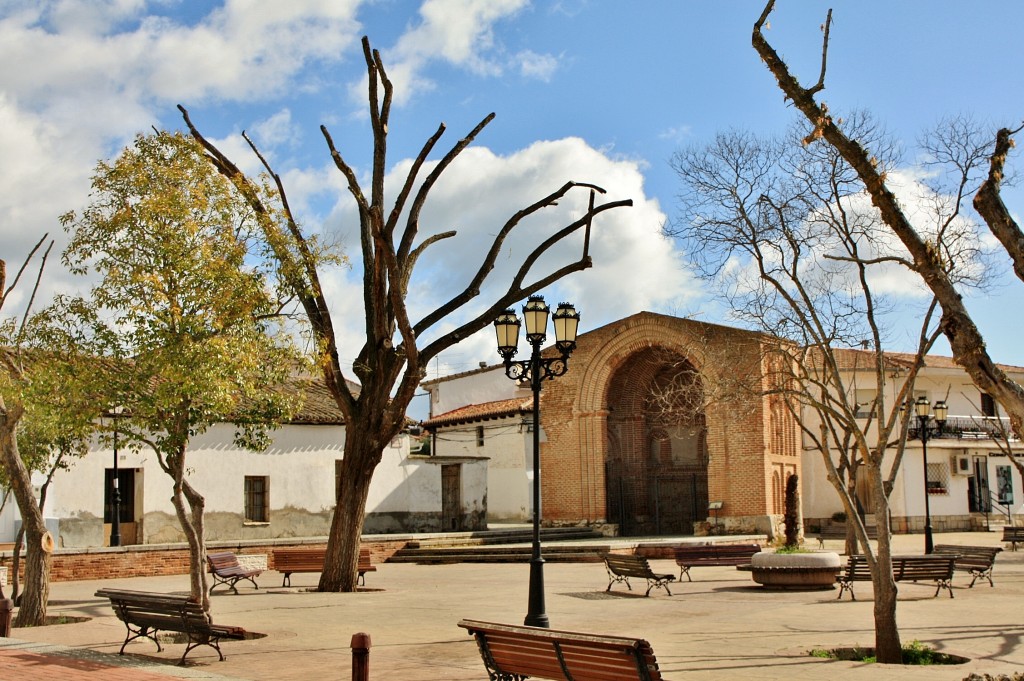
536 369
115 492
921 409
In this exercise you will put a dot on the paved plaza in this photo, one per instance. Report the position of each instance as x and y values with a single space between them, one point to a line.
720 626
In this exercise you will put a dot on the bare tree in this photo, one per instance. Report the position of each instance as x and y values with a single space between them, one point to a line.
17 391
965 339
785 231
394 356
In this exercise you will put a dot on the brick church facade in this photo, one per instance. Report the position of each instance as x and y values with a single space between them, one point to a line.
657 419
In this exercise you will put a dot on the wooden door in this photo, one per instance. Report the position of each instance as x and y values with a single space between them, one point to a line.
451 497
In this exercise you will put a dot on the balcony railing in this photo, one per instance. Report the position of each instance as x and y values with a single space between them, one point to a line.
967 428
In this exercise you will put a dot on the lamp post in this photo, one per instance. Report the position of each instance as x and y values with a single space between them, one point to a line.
921 409
115 492
535 370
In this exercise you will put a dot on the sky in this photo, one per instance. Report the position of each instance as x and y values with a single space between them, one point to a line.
592 91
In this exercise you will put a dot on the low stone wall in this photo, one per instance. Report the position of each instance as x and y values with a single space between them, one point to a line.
151 560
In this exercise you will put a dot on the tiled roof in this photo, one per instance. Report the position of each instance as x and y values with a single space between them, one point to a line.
481 412
318 405
851 358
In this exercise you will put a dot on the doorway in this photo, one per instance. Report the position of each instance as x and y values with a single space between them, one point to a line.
126 483
980 500
451 497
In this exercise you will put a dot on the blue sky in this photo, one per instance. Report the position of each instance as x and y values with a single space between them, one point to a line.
584 90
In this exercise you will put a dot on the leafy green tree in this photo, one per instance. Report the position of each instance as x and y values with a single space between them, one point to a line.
392 361
182 315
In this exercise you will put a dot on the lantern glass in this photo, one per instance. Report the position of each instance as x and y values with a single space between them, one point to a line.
506 327
922 407
535 315
567 322
941 410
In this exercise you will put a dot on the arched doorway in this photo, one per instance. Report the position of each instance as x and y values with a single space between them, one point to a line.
656 468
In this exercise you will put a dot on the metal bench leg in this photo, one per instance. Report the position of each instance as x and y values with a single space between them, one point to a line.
845 586
612 578
230 582
685 570
194 643
663 583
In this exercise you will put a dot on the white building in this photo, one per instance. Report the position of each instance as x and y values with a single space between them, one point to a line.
972 484
288 490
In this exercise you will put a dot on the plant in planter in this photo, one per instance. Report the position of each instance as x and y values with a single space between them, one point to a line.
790 566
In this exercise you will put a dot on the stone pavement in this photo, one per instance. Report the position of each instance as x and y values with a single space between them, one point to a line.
720 626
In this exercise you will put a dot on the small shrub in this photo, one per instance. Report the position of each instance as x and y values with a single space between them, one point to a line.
914 653
839 516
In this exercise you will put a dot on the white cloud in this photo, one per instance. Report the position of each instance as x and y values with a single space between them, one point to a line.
276 130
539 66
635 267
461 33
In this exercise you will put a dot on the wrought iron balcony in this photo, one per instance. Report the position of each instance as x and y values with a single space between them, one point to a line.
966 428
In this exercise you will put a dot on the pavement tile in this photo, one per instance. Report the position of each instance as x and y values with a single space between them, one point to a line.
720 626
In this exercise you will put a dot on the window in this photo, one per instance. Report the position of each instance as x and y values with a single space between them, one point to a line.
257 499
988 405
938 479
479 436
865 402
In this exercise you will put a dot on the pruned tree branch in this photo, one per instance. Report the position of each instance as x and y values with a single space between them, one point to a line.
965 339
989 203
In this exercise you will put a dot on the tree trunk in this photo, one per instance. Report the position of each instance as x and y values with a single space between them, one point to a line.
362 454
36 592
191 520
888 648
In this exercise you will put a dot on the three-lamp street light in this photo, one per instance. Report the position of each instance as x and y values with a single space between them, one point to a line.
922 409
535 370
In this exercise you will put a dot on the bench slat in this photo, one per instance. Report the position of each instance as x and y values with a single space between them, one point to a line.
936 568
225 569
621 567
508 650
144 614
712 554
289 560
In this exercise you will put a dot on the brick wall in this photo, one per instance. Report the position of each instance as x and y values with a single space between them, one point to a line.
159 560
750 441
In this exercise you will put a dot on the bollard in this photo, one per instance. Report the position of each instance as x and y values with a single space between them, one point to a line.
360 657
7 609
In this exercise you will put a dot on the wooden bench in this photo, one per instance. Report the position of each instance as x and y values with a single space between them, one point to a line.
514 652
144 614
225 569
622 567
977 560
1013 535
292 560
933 568
712 554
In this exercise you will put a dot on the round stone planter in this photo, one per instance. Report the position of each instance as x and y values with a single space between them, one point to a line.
795 570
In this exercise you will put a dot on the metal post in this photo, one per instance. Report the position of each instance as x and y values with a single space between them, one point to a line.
928 545
536 615
115 499
360 657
